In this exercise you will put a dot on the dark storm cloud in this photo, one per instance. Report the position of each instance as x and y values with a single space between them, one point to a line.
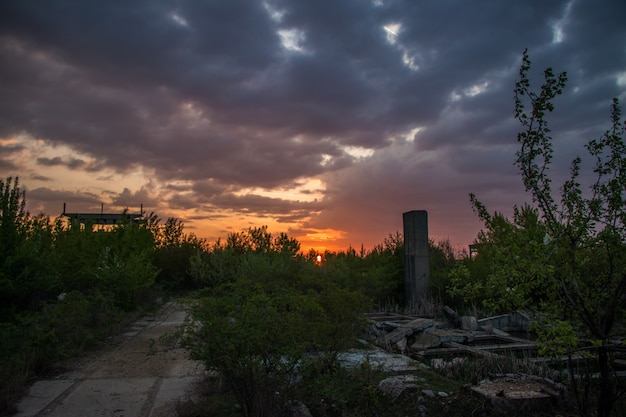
7 166
267 206
134 200
6 154
80 201
71 163
204 93
10 149
42 178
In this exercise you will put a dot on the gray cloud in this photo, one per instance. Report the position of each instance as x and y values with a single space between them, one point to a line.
71 163
206 94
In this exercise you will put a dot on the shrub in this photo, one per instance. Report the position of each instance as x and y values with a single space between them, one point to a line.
256 334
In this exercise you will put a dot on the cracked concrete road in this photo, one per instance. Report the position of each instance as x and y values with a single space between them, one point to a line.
137 376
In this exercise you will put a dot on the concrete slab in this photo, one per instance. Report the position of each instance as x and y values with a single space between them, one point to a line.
379 359
99 397
40 394
407 329
173 389
186 368
176 318
136 376
518 394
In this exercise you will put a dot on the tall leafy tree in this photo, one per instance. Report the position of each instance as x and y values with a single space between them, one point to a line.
564 256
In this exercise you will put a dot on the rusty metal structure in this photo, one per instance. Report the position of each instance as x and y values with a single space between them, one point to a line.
102 218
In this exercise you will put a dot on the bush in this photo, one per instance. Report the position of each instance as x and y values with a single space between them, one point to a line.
256 334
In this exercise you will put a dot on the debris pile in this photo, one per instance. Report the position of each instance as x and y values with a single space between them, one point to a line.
441 342
518 393
426 337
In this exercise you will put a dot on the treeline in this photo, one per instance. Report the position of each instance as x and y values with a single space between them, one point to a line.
65 287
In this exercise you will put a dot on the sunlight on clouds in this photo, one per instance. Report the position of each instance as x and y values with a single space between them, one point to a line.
190 109
476 89
192 115
471 91
9 142
326 159
322 236
357 152
392 30
410 137
409 61
275 14
63 168
454 96
621 82
311 189
292 39
179 19
180 184
558 35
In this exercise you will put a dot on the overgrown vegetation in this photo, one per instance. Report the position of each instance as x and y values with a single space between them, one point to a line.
271 320
62 288
563 257
277 312
66 287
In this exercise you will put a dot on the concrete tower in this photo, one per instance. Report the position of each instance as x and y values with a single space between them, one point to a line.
416 261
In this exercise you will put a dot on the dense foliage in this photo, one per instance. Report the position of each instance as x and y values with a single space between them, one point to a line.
62 287
65 287
562 257
258 329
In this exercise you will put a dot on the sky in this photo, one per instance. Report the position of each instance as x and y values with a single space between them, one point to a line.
323 119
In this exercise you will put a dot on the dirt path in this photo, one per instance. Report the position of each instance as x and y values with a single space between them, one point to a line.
137 376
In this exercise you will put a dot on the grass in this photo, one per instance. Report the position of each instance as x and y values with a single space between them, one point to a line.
354 392
351 393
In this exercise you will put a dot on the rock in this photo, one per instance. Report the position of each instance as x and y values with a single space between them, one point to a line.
435 338
488 328
442 394
295 409
428 393
380 360
452 316
396 386
407 329
401 345
469 323
522 394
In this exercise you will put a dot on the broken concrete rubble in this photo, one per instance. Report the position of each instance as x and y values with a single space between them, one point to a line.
455 338
519 393
420 337
408 329
514 321
379 359
469 323
437 337
395 387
